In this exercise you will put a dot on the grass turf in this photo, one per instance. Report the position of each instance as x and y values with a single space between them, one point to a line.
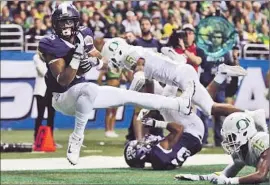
108 176
92 139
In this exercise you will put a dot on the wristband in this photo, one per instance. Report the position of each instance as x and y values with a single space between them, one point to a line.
74 63
161 124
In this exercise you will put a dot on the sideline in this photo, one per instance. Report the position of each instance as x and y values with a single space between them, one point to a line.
92 162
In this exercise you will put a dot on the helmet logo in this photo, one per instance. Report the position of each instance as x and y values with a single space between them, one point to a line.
242 124
113 46
130 153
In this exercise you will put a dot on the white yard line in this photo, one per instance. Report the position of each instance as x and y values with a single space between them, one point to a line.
92 162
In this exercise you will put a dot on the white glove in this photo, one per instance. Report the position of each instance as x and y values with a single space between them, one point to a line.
142 113
222 179
191 177
150 122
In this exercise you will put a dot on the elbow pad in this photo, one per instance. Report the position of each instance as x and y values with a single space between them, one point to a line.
138 81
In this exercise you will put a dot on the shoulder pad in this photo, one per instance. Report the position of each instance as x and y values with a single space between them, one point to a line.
88 37
54 46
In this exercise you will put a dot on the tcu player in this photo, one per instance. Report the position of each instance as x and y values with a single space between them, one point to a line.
247 147
184 140
68 54
172 72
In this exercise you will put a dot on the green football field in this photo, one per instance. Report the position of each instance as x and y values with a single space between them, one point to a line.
112 147
107 176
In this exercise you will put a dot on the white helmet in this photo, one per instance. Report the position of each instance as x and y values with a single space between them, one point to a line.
115 51
236 130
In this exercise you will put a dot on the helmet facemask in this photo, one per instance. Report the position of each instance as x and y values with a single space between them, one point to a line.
237 129
66 28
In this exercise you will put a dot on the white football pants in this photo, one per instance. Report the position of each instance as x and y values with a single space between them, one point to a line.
95 96
201 98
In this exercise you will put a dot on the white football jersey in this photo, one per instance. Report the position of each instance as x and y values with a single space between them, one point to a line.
157 66
256 146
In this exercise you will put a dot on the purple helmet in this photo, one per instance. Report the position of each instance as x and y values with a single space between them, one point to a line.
136 153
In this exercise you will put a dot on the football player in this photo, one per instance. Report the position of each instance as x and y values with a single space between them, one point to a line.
247 147
69 53
164 69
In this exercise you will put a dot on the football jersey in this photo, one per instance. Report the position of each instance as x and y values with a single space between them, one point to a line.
256 146
57 48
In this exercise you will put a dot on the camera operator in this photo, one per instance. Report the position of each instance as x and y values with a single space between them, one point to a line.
183 43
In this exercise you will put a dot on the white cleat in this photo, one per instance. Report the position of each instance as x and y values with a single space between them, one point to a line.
111 134
180 58
74 148
185 105
231 70
259 118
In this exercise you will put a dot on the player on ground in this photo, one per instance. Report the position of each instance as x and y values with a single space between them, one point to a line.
171 151
163 69
68 54
247 146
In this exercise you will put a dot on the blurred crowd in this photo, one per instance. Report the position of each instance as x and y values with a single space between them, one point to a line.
115 18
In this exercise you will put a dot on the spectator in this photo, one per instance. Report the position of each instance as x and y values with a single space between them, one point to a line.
232 82
84 19
131 24
168 27
118 24
48 24
96 24
31 19
144 8
251 34
113 78
147 39
264 36
130 38
157 27
112 32
43 97
193 13
186 45
37 30
5 16
40 10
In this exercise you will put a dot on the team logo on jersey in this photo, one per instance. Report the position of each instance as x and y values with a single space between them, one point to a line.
242 124
88 40
113 46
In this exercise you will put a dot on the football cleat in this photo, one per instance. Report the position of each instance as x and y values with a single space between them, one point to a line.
231 70
185 105
74 148
259 118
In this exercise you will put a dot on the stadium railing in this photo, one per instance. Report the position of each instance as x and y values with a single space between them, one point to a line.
251 51
31 46
11 37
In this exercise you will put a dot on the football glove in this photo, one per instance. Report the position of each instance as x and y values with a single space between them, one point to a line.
192 177
222 179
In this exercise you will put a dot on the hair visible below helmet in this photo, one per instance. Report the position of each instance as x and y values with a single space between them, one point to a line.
65 20
236 130
135 153
115 51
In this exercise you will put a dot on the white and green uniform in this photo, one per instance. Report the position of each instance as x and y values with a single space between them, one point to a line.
163 69
256 146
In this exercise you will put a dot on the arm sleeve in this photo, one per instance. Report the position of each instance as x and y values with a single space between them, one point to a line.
232 169
138 81
40 65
